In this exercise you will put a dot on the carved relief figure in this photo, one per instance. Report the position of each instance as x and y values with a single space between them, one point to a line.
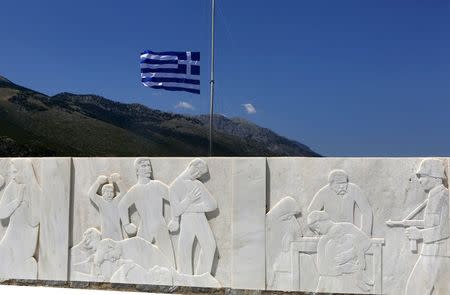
112 255
147 195
282 228
339 199
148 257
432 269
20 204
340 254
190 200
82 254
108 205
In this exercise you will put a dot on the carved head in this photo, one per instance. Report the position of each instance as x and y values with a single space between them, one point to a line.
197 168
143 167
107 250
108 192
91 238
319 222
22 171
431 173
338 180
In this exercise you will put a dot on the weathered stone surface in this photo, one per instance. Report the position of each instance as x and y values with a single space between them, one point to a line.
248 223
157 221
34 213
348 242
54 222
331 225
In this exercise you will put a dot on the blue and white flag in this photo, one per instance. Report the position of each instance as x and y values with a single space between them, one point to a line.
176 71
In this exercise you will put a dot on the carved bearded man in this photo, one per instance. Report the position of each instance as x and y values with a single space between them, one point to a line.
339 199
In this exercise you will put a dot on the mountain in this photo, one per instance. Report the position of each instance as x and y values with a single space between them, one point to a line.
242 128
66 124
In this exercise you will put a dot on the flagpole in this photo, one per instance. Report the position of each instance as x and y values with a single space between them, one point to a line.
211 82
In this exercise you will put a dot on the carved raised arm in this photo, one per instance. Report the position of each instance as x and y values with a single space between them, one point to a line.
93 189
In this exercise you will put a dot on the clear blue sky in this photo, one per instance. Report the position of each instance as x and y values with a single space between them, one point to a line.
347 78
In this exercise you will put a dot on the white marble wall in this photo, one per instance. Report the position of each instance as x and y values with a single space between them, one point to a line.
392 190
341 225
34 218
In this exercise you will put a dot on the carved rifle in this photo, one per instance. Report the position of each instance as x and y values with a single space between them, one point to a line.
408 222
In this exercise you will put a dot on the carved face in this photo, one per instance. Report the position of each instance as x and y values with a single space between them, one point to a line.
15 175
91 239
287 216
339 186
108 192
198 170
144 169
319 227
427 182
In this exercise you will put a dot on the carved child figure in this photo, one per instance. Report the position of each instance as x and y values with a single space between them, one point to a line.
107 204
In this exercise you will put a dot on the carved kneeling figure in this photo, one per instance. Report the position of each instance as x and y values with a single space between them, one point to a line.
340 254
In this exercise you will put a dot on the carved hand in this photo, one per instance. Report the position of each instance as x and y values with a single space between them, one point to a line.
173 225
413 233
102 179
130 229
115 177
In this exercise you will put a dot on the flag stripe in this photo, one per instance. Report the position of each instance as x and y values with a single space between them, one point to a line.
163 66
158 61
176 89
172 84
160 57
195 55
170 75
175 80
180 70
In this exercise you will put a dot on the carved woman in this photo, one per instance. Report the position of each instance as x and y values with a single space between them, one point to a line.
20 204
282 228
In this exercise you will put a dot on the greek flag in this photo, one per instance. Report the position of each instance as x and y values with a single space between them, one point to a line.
176 71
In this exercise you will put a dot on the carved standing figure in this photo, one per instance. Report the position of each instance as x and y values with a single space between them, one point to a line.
108 205
190 200
431 271
282 228
340 254
148 196
339 199
20 204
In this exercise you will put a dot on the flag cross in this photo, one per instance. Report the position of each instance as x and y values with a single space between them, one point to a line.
188 62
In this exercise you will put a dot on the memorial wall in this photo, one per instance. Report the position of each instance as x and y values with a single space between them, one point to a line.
332 225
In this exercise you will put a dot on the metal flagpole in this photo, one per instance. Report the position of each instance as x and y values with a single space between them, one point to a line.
211 82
